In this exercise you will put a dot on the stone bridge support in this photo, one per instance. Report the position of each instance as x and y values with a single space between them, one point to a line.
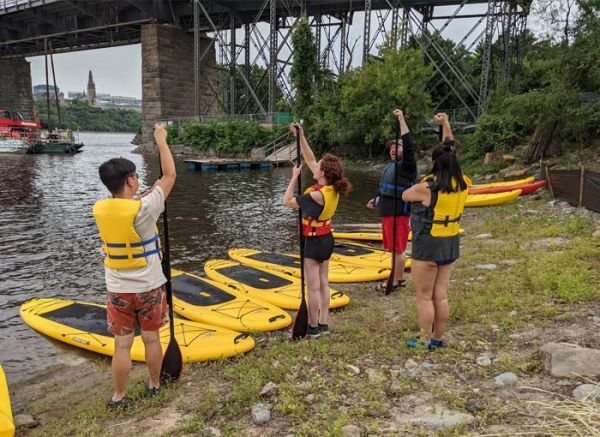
15 87
168 76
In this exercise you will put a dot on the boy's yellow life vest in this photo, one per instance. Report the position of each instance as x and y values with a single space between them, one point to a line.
123 247
442 217
321 225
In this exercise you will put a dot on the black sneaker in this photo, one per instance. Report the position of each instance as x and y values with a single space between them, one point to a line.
313 332
152 391
120 405
324 329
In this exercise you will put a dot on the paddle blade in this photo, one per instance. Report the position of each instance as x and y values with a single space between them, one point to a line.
172 364
300 322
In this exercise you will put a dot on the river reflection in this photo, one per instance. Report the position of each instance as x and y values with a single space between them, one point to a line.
48 239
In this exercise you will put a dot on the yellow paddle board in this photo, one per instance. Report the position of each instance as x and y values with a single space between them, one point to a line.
290 264
269 285
363 255
83 324
491 199
361 234
206 301
527 180
7 426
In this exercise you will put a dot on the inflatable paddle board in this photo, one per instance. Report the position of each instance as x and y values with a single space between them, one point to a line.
363 255
274 287
7 426
491 199
206 301
83 324
290 264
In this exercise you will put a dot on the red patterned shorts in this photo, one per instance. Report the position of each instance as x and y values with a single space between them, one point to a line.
149 310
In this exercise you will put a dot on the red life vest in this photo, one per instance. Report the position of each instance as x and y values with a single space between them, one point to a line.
316 227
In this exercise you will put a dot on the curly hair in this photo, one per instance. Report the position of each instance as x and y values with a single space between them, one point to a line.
334 173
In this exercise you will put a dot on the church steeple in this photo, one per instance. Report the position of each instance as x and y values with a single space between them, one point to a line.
91 90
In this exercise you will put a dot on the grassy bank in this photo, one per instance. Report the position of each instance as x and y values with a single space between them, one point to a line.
545 287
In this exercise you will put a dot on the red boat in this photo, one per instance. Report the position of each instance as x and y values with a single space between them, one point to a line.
525 188
13 125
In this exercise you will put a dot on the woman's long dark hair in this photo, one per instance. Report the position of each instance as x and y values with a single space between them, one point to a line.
446 169
334 173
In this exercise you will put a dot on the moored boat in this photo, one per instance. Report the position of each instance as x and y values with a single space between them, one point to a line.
13 145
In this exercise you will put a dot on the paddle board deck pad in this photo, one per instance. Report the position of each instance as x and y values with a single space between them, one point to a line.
491 199
206 301
363 255
274 287
526 180
7 426
83 324
290 264
526 189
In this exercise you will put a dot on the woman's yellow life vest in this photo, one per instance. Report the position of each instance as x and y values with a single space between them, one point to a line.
321 225
122 246
442 217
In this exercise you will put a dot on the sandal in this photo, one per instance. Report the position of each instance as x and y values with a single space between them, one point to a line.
383 286
152 391
120 405
436 344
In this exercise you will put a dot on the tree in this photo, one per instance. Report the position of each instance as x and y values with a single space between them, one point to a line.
305 67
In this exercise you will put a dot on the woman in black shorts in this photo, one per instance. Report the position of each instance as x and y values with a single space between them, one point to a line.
318 205
438 203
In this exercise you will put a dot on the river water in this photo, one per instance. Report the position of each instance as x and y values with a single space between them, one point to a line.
49 245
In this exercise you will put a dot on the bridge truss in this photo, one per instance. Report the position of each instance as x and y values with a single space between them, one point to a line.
257 33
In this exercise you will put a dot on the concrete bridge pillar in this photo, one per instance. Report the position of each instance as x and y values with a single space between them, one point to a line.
15 87
168 76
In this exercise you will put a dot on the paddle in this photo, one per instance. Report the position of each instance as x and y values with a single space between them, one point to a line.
301 322
389 287
172 360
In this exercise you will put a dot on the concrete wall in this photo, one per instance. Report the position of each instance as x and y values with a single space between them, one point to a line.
15 86
168 76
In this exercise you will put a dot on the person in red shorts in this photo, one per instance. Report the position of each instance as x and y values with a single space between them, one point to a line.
406 166
135 282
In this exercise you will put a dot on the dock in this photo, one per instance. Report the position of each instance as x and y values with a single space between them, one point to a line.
222 164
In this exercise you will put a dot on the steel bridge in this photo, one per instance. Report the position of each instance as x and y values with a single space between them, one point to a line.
245 33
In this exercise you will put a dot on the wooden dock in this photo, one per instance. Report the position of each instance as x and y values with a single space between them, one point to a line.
222 164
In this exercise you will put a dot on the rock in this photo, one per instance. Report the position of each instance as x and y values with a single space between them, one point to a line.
353 369
488 177
473 406
483 236
269 390
587 392
427 365
351 430
508 159
439 417
484 361
211 431
486 266
571 360
304 385
310 398
25 421
596 233
411 364
488 158
261 414
596 320
507 378
515 173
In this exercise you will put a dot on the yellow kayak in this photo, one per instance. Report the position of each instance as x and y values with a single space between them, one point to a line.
7 426
363 255
274 287
290 264
491 199
83 324
206 301
527 180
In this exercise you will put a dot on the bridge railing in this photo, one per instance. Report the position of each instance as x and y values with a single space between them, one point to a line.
5 4
269 118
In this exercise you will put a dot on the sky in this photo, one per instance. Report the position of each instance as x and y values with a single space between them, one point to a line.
117 70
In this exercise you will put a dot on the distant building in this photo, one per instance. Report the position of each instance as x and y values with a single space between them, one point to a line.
76 95
91 90
40 91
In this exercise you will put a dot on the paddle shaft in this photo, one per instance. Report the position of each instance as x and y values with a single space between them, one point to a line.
390 282
172 360
301 322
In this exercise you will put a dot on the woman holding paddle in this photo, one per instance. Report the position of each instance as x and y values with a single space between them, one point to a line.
135 281
437 205
318 205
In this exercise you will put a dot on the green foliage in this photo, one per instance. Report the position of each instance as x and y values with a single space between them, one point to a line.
80 116
305 67
229 137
